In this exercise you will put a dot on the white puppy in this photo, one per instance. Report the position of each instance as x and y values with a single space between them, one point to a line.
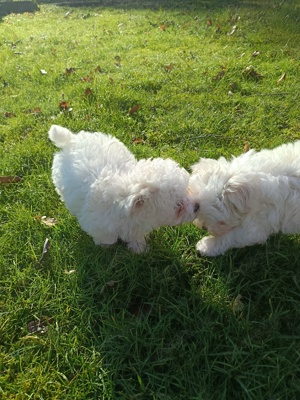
112 194
245 200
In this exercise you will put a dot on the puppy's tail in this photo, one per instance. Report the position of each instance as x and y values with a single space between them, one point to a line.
60 136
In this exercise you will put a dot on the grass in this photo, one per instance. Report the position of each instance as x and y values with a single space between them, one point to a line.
87 323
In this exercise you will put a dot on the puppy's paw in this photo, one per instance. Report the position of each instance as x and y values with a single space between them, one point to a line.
208 246
106 246
138 246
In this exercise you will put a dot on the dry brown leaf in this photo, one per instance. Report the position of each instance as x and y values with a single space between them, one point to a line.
250 73
233 87
168 68
40 325
238 305
246 147
209 22
9 114
9 179
134 109
137 141
37 327
221 73
63 105
48 221
34 111
69 71
219 28
86 79
88 92
163 27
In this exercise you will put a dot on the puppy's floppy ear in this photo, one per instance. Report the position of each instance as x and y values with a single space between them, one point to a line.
139 200
237 193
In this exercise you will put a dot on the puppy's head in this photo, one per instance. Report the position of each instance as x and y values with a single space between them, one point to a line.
224 197
160 194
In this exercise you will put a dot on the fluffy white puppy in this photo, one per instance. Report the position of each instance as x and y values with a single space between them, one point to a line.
112 194
245 200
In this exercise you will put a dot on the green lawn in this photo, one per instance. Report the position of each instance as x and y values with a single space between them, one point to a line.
82 322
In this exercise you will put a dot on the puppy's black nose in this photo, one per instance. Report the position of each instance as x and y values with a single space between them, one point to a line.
196 208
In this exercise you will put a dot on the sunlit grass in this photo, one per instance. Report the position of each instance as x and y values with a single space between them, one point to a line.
86 323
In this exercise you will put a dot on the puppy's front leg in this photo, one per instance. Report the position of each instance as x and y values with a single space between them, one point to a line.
104 240
212 246
137 246
238 237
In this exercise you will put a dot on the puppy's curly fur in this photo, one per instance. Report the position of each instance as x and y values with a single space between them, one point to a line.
112 194
245 200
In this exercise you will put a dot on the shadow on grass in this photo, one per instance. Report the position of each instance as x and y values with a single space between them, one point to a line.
162 327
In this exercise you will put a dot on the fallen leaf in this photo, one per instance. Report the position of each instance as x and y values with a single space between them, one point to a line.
238 305
234 28
39 325
63 105
110 284
168 68
209 22
219 28
233 19
88 92
70 272
233 87
69 71
36 110
187 24
246 147
9 114
282 78
221 73
9 179
137 141
98 69
163 27
45 251
86 79
134 109
249 72
48 221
